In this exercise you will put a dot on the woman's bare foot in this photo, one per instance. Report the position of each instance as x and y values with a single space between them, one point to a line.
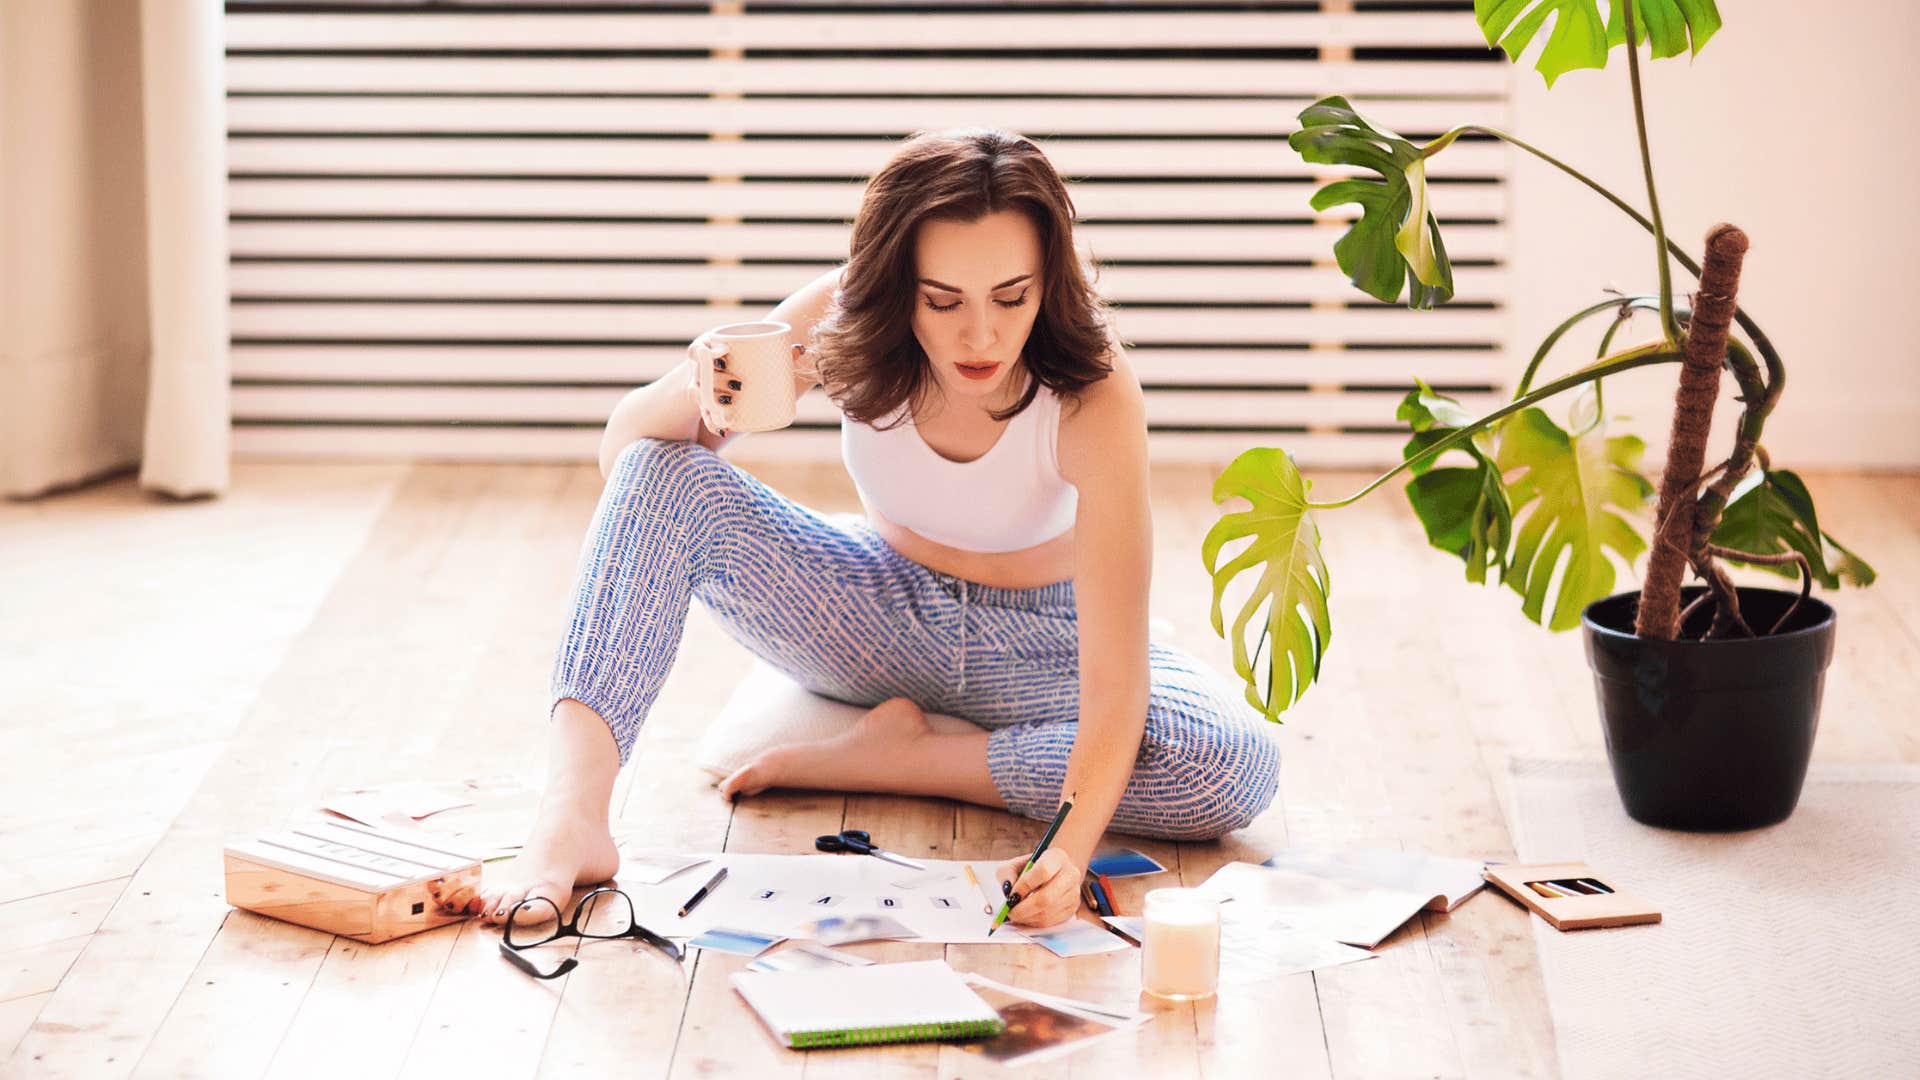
566 848
866 757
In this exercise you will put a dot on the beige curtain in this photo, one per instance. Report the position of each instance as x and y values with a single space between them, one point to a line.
113 249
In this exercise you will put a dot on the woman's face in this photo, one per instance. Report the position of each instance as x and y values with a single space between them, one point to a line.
978 289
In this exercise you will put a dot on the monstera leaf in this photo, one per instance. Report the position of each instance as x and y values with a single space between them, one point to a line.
1292 583
1775 515
1397 238
1570 490
1578 40
1464 509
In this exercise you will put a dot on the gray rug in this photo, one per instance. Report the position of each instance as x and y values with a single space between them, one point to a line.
1789 951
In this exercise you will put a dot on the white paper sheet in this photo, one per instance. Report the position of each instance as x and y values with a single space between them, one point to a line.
782 893
652 868
1251 954
1446 882
1254 951
1351 912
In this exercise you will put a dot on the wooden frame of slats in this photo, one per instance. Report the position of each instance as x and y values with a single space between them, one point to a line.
464 231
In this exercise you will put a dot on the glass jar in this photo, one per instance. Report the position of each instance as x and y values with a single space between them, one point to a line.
1180 945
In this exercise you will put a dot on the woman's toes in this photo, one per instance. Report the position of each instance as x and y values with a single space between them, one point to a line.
735 785
750 779
459 898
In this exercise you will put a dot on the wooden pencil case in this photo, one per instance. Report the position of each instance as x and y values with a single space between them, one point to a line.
1570 896
345 878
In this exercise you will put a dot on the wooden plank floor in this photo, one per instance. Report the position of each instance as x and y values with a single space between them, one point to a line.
176 675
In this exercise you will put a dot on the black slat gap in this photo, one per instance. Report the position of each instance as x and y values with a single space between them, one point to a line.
769 301
1401 388
999 7
799 264
1402 346
804 425
1413 5
797 136
1195 346
286 382
770 7
1235 429
275 421
613 219
1451 305
774 300
336 7
1142 53
683 178
837 95
1450 53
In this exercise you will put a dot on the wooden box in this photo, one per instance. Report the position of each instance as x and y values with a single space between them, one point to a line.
1570 896
345 878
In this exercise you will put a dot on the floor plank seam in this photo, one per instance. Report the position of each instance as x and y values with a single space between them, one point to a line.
693 972
122 879
293 1014
188 981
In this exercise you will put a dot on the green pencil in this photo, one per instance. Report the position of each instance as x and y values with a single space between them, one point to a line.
1006 906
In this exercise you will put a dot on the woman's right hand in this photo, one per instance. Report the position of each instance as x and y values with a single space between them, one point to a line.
716 409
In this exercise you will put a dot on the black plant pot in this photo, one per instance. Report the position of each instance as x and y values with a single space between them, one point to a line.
1710 735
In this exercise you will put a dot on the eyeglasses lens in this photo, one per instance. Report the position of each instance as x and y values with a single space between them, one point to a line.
607 913
533 921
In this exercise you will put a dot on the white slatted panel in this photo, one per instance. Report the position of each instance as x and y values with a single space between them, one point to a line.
464 230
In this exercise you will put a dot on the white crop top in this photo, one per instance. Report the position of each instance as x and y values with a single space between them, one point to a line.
1009 498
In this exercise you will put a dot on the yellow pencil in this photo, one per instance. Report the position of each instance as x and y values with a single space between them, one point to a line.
968 867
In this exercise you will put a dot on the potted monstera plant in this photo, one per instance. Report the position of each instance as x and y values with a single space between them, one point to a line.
1709 693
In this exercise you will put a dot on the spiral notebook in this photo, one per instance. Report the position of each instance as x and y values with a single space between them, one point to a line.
916 1001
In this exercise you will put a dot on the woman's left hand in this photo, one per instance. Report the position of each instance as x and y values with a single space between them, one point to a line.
1048 894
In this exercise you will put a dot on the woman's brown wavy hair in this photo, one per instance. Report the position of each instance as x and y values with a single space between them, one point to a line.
864 347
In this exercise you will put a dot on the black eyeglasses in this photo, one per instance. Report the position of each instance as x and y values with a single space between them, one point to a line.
603 914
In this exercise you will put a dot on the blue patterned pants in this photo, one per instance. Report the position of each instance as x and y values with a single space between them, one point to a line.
828 601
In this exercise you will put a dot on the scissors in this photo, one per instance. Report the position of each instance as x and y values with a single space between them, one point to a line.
860 842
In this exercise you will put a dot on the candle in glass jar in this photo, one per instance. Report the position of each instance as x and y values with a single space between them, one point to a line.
1180 944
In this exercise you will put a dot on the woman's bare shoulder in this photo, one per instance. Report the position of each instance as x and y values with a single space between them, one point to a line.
1104 419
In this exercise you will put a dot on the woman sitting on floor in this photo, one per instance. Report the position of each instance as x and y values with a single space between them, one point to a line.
997 435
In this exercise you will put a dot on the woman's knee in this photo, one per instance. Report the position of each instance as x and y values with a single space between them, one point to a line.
682 480
1221 775
647 462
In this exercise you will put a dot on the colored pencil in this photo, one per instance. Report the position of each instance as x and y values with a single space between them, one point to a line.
1007 905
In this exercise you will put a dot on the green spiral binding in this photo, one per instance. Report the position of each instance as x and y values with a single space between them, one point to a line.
947 1029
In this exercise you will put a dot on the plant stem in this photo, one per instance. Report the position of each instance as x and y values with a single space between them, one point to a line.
1644 355
1776 370
1546 346
1667 325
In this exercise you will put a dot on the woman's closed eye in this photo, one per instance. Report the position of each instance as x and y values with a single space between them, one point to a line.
1003 303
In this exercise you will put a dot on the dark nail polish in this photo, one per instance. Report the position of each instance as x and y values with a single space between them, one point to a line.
726 399
733 384
1006 888
720 363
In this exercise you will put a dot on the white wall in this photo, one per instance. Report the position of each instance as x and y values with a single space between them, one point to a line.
1795 123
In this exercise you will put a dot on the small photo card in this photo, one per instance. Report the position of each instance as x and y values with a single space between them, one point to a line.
840 931
807 956
1123 862
738 942
1076 937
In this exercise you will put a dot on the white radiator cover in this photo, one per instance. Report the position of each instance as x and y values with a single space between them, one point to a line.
464 231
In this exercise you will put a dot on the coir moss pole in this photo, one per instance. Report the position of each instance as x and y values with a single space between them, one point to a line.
1673 531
